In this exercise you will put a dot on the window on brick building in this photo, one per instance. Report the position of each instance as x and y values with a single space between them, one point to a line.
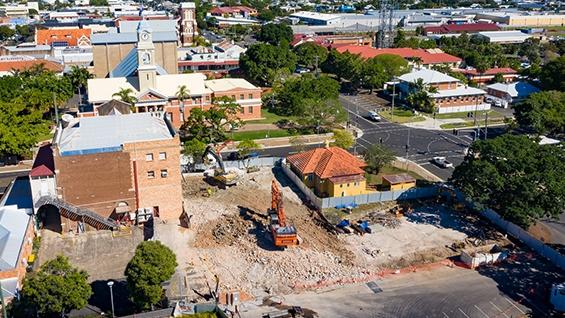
250 108
241 96
149 157
164 173
150 174
162 155
233 97
250 96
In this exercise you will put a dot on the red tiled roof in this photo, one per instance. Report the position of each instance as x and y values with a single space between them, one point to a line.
43 165
426 57
228 10
71 36
6 66
460 28
491 71
326 163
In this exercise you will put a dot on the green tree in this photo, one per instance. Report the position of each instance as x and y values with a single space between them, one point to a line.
394 65
245 148
79 77
514 175
99 3
288 99
344 65
322 115
311 54
194 148
262 62
210 126
126 95
377 157
498 78
343 139
420 98
152 264
543 113
182 94
20 128
551 75
275 34
6 32
55 289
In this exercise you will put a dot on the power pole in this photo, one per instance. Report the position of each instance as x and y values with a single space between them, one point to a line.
56 109
486 125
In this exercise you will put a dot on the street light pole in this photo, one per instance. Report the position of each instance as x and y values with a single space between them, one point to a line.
393 96
110 284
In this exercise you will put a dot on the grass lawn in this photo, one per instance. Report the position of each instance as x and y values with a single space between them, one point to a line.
258 134
470 123
269 118
401 116
463 115
376 179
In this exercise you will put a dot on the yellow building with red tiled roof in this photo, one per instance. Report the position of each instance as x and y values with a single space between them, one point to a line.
330 172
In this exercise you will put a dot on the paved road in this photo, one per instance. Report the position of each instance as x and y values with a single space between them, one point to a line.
445 292
423 144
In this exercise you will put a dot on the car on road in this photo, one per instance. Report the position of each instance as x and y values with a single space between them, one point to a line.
442 162
374 116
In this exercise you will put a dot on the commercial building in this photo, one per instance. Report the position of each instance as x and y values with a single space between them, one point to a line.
16 236
108 169
315 18
226 16
111 49
461 28
330 171
63 37
333 41
505 37
220 58
9 64
520 19
421 57
452 96
29 49
511 93
508 74
156 91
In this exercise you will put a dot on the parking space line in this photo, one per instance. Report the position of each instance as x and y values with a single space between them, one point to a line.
495 306
445 315
482 312
461 310
512 303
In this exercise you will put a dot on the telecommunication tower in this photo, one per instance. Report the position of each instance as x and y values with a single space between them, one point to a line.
385 34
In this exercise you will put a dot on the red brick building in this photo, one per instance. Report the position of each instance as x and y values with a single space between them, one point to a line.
426 58
508 74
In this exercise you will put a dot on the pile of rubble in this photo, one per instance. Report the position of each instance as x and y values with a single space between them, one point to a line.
385 219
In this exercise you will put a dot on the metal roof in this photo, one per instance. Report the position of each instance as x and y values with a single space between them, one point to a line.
154 25
15 215
109 133
130 37
428 76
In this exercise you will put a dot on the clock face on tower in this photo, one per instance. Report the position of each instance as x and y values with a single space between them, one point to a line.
145 36
146 58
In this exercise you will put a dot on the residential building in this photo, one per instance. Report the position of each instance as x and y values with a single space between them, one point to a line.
222 58
122 167
461 28
452 96
226 16
330 171
511 93
505 37
395 182
333 41
29 49
64 16
12 11
156 91
63 37
9 64
16 236
508 74
420 57
112 49
188 26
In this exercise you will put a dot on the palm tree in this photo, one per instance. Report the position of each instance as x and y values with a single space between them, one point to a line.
182 94
420 97
79 77
126 96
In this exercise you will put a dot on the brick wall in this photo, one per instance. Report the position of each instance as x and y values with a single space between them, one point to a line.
460 101
95 181
158 175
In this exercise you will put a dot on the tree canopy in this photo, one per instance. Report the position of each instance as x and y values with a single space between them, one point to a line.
152 264
514 175
321 115
275 33
343 139
377 157
308 52
289 98
542 112
262 63
55 289
551 76
420 98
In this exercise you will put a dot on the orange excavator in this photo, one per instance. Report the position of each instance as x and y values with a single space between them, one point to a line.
283 235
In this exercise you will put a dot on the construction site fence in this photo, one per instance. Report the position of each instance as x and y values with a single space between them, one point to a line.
372 197
244 164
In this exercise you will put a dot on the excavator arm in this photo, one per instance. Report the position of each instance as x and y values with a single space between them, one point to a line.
211 151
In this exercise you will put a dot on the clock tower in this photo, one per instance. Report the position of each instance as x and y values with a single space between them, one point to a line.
146 70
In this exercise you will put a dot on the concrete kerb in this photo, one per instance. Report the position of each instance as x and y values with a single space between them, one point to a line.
280 142
409 165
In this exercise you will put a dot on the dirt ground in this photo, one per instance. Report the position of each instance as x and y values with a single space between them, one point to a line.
228 238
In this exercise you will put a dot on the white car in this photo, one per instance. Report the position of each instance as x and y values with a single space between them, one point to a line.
442 162
374 116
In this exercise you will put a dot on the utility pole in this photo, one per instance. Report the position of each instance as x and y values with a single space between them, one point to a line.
486 125
393 97
316 60
56 109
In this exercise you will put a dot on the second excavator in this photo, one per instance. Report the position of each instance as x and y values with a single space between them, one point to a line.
283 235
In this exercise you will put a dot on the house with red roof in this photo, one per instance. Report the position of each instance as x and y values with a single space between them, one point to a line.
508 74
461 28
10 64
330 171
421 57
234 11
333 40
